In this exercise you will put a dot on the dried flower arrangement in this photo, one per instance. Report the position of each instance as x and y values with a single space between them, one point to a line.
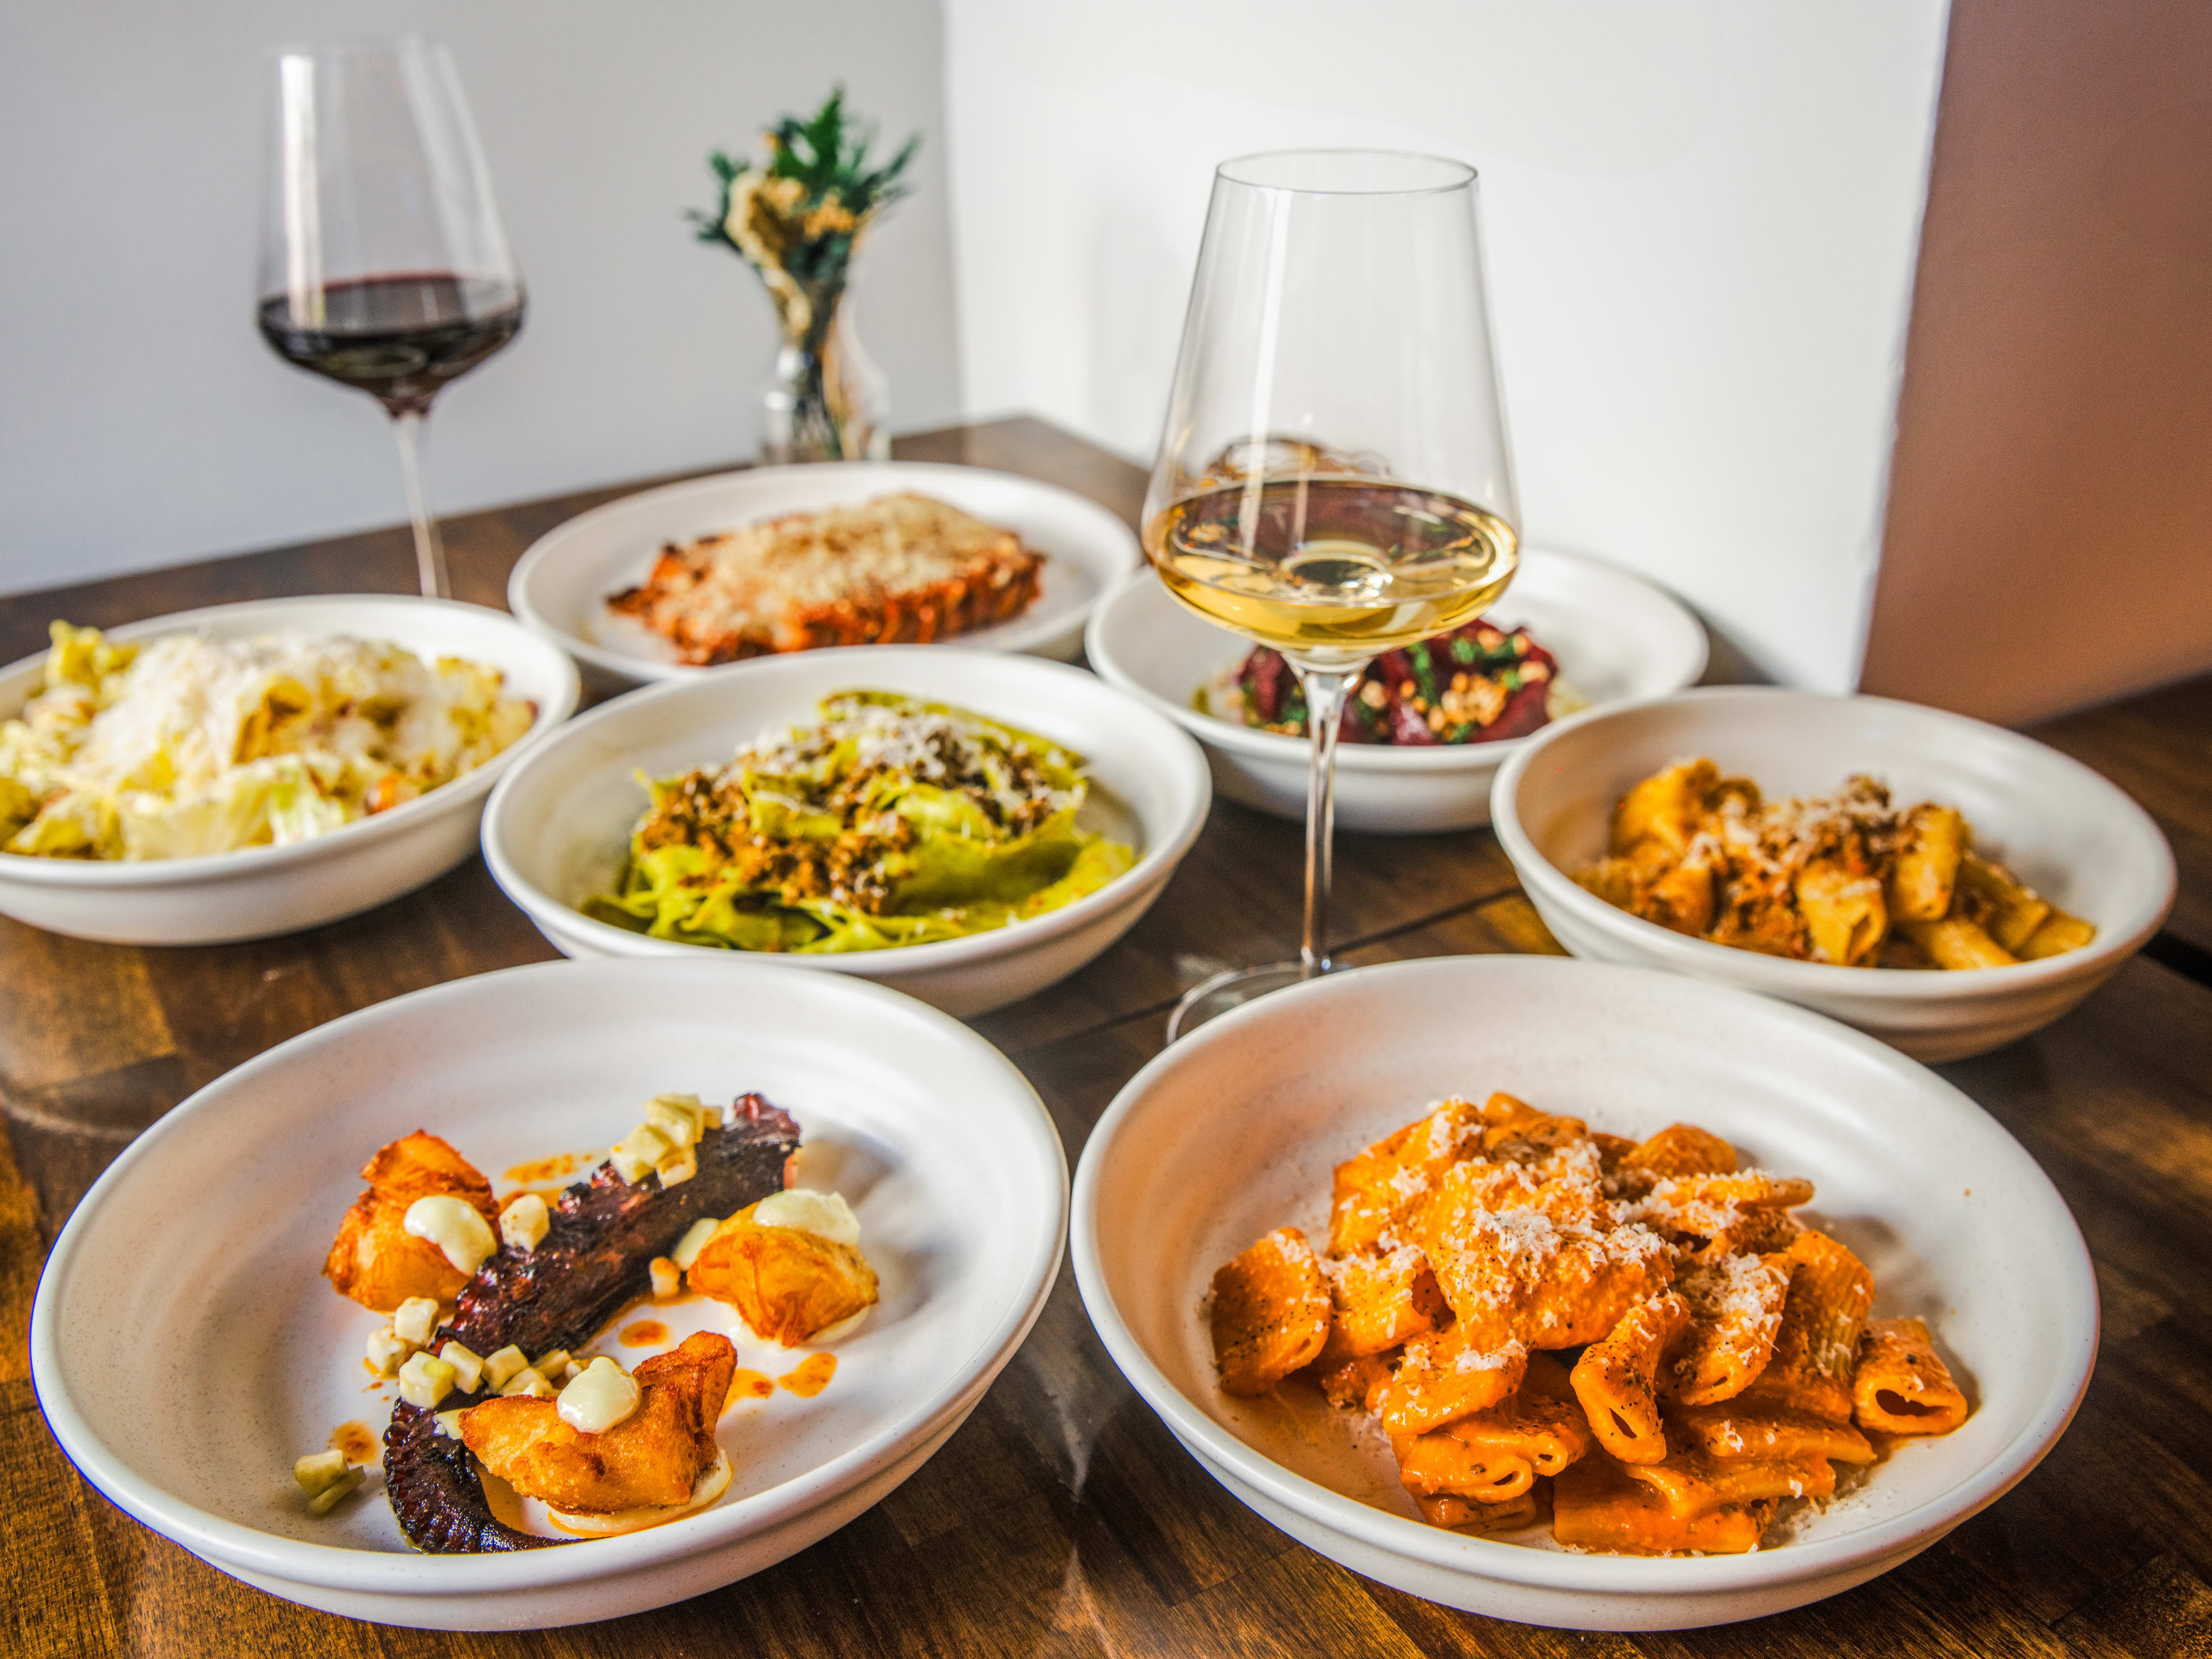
797 218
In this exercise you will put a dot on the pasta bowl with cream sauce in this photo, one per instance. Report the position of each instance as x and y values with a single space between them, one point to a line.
2068 834
255 891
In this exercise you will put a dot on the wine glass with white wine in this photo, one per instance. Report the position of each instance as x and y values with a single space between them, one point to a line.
1334 480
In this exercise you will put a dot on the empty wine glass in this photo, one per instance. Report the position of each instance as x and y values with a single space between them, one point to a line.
384 263
1334 479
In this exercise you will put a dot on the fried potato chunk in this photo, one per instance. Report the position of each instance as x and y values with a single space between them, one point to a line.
787 1284
654 1457
1271 1313
374 1259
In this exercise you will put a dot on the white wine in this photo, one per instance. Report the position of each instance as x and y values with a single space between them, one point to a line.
1330 571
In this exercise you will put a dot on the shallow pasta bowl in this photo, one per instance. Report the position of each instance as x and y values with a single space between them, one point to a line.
1235 1130
1616 636
557 830
186 1348
2068 833
260 890
561 586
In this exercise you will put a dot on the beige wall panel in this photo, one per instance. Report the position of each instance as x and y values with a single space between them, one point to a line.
2049 538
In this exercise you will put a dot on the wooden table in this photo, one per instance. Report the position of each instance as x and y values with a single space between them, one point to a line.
1062 1518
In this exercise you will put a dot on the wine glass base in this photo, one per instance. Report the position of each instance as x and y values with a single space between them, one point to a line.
1210 999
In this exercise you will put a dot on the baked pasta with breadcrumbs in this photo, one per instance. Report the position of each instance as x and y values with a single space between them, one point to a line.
902 569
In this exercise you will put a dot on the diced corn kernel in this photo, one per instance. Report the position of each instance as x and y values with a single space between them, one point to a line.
317 1470
499 1366
679 1166
417 1321
425 1380
524 1221
667 1277
331 1496
449 1423
528 1381
694 1241
549 1364
826 1215
675 1121
386 1350
634 1155
468 1369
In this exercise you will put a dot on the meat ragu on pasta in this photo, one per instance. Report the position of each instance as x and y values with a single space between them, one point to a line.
1638 1335
1846 879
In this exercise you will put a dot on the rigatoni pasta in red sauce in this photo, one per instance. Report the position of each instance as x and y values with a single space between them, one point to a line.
1846 879
1637 1335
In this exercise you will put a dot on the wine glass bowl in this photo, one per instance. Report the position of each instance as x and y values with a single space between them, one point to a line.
1334 479
385 265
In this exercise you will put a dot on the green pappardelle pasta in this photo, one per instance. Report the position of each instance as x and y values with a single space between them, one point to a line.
894 821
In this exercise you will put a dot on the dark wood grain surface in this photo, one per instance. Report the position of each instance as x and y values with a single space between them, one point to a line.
1062 1518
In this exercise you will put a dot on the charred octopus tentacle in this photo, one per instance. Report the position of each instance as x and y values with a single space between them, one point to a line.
593 1261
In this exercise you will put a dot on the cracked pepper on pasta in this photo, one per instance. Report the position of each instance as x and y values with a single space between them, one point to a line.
1846 879
1637 1333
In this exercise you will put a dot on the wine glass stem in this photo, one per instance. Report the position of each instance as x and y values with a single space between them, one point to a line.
429 551
1325 690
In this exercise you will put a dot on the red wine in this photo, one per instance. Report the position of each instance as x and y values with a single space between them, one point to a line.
398 338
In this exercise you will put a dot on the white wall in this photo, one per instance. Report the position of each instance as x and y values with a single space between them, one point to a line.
1701 218
141 420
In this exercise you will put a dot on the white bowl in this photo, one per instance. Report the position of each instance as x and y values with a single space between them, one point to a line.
261 890
1235 1130
1616 636
2065 832
558 830
186 1348
560 587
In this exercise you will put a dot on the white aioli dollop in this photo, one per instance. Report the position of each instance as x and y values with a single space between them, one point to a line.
455 1227
602 1396
826 1215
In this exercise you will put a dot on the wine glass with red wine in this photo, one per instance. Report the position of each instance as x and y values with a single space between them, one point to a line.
384 263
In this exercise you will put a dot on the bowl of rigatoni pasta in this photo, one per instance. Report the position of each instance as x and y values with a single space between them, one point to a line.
1944 884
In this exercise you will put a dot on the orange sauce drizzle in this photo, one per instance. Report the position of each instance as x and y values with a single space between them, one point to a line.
548 1168
643 1334
812 1375
356 1441
748 1385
